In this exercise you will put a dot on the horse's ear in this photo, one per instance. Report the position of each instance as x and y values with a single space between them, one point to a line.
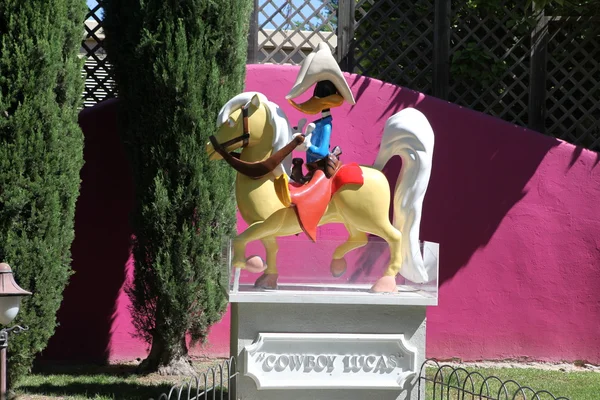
255 101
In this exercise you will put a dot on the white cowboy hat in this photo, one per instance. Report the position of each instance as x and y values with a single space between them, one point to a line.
321 66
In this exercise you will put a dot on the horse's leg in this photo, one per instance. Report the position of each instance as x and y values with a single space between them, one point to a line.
269 278
387 283
366 209
239 250
357 239
281 223
257 263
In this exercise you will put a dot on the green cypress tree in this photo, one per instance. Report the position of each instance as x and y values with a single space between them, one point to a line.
175 65
41 154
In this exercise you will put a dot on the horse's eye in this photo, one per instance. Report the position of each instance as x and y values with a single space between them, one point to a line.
230 122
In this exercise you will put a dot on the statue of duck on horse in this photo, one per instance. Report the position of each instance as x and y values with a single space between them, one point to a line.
276 198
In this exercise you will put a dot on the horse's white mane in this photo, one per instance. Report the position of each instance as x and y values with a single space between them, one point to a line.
282 133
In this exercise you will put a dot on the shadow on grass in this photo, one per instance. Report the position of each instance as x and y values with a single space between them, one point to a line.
117 391
103 382
116 370
121 390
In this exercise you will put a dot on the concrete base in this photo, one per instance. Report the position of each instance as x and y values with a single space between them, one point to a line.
248 320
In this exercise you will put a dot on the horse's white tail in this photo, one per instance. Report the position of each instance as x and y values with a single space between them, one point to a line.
409 135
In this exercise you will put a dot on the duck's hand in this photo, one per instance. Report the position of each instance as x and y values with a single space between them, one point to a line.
307 135
304 145
300 127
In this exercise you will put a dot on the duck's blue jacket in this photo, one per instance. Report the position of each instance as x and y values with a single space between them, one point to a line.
320 138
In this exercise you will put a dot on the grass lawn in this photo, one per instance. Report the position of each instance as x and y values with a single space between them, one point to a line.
580 385
99 383
120 382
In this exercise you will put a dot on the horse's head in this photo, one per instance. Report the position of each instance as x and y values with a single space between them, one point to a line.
260 127
242 123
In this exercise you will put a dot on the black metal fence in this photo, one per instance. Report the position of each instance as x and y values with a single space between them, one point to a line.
446 382
436 382
217 383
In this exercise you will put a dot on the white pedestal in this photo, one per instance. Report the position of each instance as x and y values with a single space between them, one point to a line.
315 345
330 339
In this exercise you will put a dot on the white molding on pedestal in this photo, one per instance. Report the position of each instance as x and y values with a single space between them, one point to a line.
335 294
330 361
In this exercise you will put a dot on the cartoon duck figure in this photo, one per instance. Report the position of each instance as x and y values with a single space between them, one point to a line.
331 90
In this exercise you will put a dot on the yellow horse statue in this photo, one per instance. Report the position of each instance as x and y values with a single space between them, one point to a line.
251 122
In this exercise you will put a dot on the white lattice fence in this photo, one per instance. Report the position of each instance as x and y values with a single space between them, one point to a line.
393 41
99 83
288 30
573 86
489 52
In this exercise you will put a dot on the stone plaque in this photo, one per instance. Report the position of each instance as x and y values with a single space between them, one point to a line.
329 361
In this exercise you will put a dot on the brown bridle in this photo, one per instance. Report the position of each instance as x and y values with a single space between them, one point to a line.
244 138
254 170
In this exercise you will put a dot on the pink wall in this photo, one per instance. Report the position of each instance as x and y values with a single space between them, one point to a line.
515 213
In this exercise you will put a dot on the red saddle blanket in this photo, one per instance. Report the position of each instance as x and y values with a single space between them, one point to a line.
310 200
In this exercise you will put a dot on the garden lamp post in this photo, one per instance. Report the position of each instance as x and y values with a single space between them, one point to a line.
10 302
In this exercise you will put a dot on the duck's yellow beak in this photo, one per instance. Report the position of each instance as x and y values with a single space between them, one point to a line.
315 105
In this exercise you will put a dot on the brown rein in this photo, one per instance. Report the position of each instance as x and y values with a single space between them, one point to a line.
256 170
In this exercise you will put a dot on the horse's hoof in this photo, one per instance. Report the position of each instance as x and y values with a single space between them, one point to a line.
338 267
385 284
255 264
267 281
